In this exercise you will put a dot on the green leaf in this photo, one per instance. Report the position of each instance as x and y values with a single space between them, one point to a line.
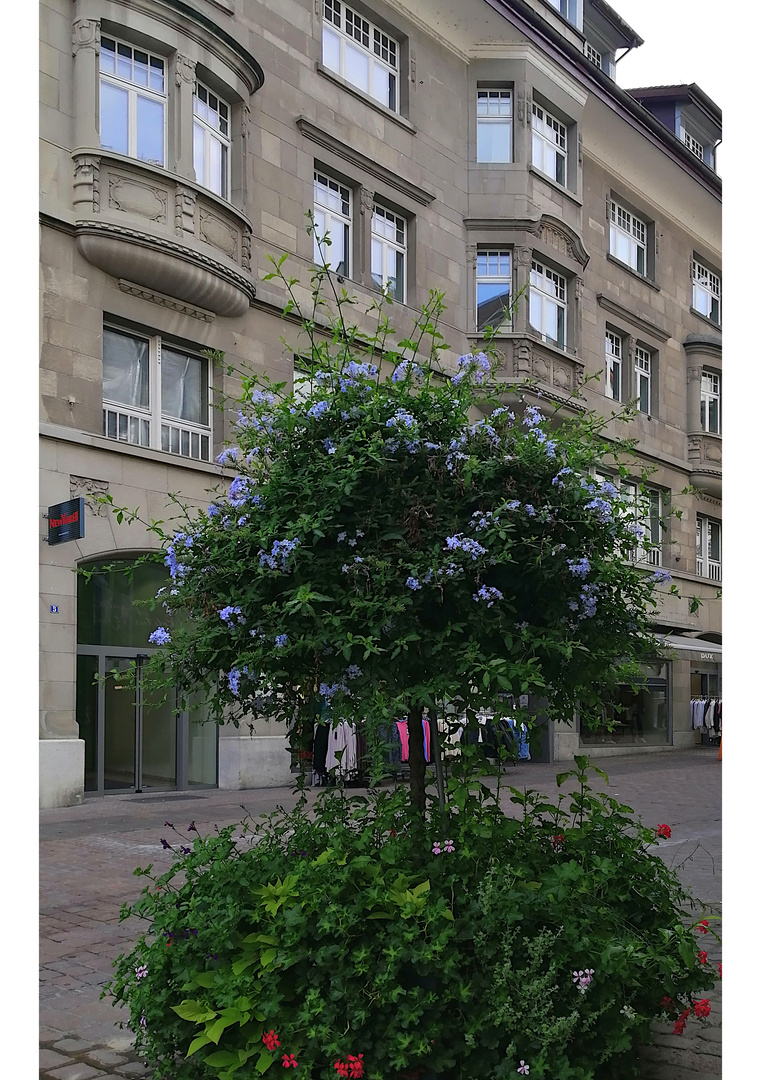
194 1010
199 1041
264 1062
221 1058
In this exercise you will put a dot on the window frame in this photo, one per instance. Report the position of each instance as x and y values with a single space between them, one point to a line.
614 364
387 245
570 10
709 394
549 145
500 120
501 252
209 134
335 20
645 518
626 231
703 560
561 304
156 416
704 288
134 90
345 218
643 373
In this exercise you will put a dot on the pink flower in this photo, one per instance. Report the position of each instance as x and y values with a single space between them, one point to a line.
270 1039
664 831
719 968
436 849
356 1066
523 1068
449 846
288 1060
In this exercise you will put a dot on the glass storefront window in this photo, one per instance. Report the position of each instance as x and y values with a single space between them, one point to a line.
107 612
640 714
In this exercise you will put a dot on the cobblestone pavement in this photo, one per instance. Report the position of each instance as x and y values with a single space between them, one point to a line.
88 854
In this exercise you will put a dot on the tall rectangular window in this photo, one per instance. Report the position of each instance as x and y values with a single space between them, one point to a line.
494 126
706 292
493 286
361 53
710 402
547 304
132 102
549 144
332 216
613 362
628 238
708 548
643 378
155 394
211 141
388 255
646 514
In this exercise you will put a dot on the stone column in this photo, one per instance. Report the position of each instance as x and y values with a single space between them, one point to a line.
180 151
85 48
521 274
694 379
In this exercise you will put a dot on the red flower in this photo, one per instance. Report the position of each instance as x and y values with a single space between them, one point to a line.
702 1008
270 1039
678 1027
663 830
288 1060
702 957
342 1067
703 926
666 1002
557 840
719 968
356 1066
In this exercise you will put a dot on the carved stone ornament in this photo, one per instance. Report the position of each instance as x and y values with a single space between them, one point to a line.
245 250
134 197
366 200
165 301
523 255
520 106
471 254
85 34
245 117
556 239
184 210
184 69
84 486
213 230
87 183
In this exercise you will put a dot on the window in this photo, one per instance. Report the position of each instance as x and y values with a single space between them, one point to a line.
360 53
628 238
646 514
332 216
211 141
547 304
613 362
155 395
708 548
549 144
693 144
593 55
706 292
388 251
132 102
643 378
571 10
710 403
493 283
494 126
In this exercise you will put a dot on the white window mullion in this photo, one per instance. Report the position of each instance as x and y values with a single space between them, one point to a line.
155 390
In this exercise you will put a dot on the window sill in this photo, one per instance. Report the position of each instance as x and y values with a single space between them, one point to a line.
397 118
555 185
634 273
102 442
705 319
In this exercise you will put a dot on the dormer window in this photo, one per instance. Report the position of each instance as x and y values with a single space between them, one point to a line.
571 10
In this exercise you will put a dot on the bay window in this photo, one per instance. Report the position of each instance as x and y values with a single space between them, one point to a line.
710 402
549 144
494 126
708 548
211 141
548 304
132 101
493 288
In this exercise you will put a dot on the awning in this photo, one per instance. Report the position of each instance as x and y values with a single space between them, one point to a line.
693 645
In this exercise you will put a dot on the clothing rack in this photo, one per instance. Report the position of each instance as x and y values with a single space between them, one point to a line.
706 717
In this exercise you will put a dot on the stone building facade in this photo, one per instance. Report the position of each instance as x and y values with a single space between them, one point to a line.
477 147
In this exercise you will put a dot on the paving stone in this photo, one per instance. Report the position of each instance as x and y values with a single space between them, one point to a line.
74 1046
104 1057
51 1034
49 1059
77 1071
133 1068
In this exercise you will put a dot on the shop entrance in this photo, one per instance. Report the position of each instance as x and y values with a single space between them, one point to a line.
136 739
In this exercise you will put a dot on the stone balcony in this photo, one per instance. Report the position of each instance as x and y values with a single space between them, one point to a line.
555 372
163 235
704 457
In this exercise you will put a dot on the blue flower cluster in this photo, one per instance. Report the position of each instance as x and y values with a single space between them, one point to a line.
329 445
580 567
471 547
263 397
548 444
329 690
277 558
532 416
488 593
161 636
177 569
455 451
233 681
281 640
227 615
405 368
601 508
318 409
661 575
402 418
413 583
239 491
480 521
588 600
558 480
476 365
230 454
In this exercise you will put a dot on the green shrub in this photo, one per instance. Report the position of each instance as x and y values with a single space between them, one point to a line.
338 930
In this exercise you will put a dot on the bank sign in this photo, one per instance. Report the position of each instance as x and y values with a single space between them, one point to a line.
66 521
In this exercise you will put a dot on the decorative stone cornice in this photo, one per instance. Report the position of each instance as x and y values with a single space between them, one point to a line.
639 321
549 230
369 165
170 302
703 344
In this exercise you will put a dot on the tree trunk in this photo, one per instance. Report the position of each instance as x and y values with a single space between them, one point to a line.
417 757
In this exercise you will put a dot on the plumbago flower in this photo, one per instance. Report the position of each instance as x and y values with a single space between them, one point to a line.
465 513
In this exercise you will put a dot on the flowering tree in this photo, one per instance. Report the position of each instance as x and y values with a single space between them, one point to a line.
400 532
